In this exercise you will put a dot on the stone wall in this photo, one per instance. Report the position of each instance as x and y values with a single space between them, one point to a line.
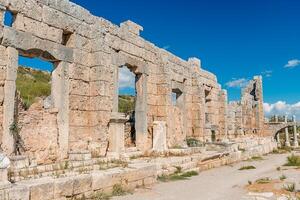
247 116
87 52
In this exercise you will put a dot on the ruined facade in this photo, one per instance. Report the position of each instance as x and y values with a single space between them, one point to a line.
82 116
246 117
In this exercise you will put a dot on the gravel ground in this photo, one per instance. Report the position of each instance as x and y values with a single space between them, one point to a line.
224 183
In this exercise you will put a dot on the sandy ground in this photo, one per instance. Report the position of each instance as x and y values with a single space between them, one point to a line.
224 183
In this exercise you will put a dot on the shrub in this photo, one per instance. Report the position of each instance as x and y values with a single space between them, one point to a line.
282 177
263 180
118 190
293 160
192 142
290 187
247 167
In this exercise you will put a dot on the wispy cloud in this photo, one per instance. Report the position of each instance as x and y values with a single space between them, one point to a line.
292 63
237 83
282 108
166 47
267 73
126 78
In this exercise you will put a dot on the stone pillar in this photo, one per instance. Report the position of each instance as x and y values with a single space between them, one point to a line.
141 122
9 99
278 140
276 118
159 136
287 138
60 97
116 133
296 143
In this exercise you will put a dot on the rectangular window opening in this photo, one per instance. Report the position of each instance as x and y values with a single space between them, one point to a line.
9 18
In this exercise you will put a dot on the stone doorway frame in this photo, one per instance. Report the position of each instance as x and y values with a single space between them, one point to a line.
140 70
59 95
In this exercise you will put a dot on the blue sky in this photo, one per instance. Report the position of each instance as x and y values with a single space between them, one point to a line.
234 39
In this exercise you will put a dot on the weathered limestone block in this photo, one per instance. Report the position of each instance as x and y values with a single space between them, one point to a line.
27 41
19 193
43 189
82 183
159 136
27 8
63 187
38 28
131 27
66 22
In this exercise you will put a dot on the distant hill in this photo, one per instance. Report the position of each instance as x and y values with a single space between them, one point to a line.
32 83
126 103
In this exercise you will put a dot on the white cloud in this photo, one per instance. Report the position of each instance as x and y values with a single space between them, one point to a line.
267 73
292 63
237 83
126 78
282 108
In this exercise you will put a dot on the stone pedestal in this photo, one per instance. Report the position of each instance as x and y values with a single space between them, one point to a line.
159 136
116 133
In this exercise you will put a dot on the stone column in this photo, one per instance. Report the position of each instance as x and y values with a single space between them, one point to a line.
296 143
159 136
287 138
116 133
9 99
141 122
60 97
276 118
278 140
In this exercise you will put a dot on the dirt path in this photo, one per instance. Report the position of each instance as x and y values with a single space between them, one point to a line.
224 183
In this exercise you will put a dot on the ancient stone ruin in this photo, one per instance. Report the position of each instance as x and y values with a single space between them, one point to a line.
79 127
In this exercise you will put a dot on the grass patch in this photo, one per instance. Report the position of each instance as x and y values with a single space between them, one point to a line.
282 177
293 160
256 158
290 187
192 142
118 190
177 176
249 167
126 103
263 180
32 83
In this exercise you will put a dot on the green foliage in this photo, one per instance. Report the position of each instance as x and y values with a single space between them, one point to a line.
118 190
290 187
247 167
101 196
32 83
192 142
282 177
177 176
293 160
263 180
126 103
15 131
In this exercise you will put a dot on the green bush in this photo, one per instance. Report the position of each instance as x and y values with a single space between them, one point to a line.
192 142
293 160
247 167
